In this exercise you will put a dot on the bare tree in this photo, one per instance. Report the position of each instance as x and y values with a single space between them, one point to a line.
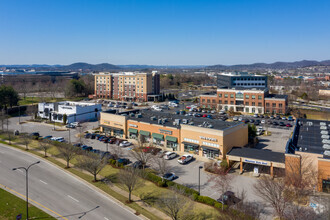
160 165
141 153
25 140
252 209
174 204
81 129
222 181
297 212
130 179
273 193
92 163
44 145
67 152
3 118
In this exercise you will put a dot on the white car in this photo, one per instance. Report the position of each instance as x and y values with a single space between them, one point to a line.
235 118
185 159
240 119
59 139
169 155
263 121
125 144
75 124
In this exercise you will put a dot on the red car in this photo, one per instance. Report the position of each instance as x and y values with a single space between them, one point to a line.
288 125
205 116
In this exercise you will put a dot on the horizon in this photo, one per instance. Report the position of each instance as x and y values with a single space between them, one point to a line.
169 33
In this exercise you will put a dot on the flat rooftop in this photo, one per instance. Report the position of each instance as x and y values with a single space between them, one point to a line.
311 136
276 96
153 117
257 154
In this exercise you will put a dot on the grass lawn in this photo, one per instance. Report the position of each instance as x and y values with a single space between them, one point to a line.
11 206
35 100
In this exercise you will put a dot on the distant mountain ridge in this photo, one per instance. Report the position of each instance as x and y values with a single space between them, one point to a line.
276 65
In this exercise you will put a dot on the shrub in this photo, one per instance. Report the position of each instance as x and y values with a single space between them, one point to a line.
120 165
206 200
224 164
112 161
218 205
153 178
195 197
162 184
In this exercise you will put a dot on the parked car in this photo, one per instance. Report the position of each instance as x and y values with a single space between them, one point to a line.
70 126
88 135
288 125
170 155
76 124
282 123
284 118
204 116
240 119
125 144
47 137
209 116
123 161
93 136
185 159
235 118
251 121
228 198
290 118
271 117
77 145
263 121
137 165
87 148
277 117
96 151
169 176
275 123
256 115
35 135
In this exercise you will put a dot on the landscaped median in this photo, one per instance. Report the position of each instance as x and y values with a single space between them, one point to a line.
148 197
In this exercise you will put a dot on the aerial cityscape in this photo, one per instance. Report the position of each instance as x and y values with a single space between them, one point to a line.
120 110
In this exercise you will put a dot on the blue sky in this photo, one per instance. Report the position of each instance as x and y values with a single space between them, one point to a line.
164 32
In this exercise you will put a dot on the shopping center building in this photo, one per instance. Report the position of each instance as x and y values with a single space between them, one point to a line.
310 141
203 137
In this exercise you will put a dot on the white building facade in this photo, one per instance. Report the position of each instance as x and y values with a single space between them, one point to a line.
75 111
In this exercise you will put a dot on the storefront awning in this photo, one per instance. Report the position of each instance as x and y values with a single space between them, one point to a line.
158 136
210 148
172 139
133 130
191 144
144 133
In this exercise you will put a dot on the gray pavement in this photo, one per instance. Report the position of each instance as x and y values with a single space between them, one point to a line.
57 190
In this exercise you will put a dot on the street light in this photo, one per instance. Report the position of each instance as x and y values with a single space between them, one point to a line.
27 188
69 135
199 179
107 146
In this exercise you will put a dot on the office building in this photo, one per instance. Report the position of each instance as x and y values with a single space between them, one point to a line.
128 86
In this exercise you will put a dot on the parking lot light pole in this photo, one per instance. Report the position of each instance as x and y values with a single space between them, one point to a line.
69 136
199 179
27 185
107 146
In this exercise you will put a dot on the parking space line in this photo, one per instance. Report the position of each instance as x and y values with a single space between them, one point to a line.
43 182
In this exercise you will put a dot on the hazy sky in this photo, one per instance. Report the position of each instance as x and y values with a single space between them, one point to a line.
164 32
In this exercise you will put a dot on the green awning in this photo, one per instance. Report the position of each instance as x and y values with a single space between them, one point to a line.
158 136
133 130
172 139
144 133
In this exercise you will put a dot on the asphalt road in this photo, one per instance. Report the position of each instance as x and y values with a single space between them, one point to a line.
60 194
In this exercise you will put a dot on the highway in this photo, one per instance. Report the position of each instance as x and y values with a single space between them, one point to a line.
55 191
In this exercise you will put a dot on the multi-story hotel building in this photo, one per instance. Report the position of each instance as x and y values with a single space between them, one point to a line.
244 93
202 137
127 86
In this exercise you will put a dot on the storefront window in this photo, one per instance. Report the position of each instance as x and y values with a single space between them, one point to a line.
158 142
194 149
210 153
173 145
133 136
119 133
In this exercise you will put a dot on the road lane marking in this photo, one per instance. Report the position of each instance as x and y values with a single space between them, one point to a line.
32 201
43 182
73 198
20 170
106 218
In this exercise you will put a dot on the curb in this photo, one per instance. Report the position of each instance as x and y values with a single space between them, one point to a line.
87 183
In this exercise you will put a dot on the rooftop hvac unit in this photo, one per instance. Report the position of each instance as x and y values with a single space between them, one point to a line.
324 132
326 153
139 116
184 121
323 127
174 123
326 141
210 126
325 137
177 121
326 146
191 123
309 123
200 125
132 114
300 149
153 118
160 121
165 120
323 124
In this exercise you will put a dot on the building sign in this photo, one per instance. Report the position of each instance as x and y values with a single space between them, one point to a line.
255 162
118 124
208 138
132 125
106 122
64 107
165 131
